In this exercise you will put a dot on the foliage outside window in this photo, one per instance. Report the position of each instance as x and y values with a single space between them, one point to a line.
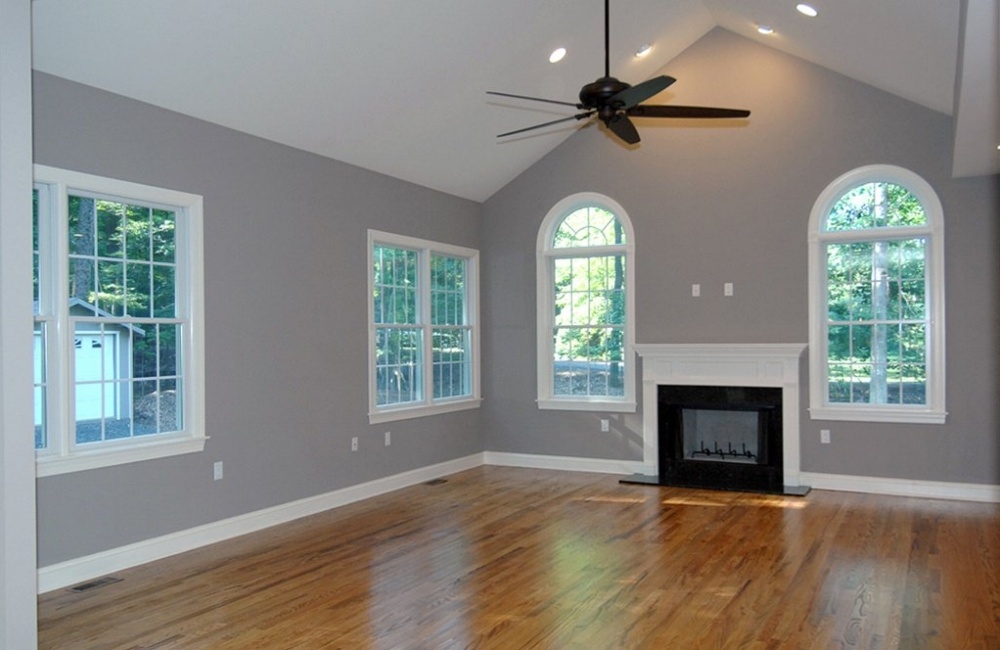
878 318
422 322
585 306
117 296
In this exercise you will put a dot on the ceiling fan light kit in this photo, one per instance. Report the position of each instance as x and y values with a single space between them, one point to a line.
614 102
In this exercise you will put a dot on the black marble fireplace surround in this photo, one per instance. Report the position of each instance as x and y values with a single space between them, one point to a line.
720 437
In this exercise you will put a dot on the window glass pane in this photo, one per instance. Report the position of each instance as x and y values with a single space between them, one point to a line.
82 224
137 233
395 290
144 351
588 362
878 323
589 226
164 286
876 205
34 249
145 406
447 290
452 362
156 407
82 279
40 380
839 343
110 288
138 284
162 234
589 317
169 343
110 229
398 363
914 388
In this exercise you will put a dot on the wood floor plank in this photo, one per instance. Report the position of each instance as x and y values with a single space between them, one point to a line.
504 558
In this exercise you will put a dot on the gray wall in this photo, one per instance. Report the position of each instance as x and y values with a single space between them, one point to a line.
731 204
285 321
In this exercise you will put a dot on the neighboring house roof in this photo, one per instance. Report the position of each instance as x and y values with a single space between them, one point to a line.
97 311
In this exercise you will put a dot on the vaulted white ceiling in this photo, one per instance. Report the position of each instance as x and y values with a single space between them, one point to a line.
398 86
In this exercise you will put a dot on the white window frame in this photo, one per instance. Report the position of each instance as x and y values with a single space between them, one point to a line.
545 254
820 408
428 405
62 455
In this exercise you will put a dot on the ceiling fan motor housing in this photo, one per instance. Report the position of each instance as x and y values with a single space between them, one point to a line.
597 93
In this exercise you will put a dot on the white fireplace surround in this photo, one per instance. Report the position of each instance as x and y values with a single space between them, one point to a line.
724 364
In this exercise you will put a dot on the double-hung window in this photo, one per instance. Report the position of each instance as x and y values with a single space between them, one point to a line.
118 371
423 330
586 306
877 299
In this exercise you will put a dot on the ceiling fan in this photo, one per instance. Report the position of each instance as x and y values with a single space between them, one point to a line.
614 101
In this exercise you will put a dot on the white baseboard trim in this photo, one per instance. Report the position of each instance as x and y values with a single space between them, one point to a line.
567 463
78 570
902 487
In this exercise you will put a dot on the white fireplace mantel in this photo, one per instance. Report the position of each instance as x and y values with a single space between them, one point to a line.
723 364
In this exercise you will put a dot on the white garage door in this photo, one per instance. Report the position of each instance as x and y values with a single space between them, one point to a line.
96 359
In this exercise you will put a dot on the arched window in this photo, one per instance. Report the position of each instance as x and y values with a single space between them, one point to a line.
586 306
876 294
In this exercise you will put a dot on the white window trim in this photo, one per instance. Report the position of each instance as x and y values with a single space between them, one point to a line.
544 290
64 456
933 412
429 405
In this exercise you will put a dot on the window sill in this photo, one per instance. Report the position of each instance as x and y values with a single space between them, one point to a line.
606 406
900 415
410 412
95 458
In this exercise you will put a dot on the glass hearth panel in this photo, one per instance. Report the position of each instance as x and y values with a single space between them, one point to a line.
721 435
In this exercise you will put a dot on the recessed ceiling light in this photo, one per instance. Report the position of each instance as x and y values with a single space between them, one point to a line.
766 30
645 49
557 55
806 10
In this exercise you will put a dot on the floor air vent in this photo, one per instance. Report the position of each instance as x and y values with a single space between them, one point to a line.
94 584
436 481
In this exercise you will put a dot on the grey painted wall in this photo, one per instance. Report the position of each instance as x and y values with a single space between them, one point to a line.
285 321
731 204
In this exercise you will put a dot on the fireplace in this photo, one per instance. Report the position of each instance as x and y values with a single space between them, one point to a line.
721 416
723 437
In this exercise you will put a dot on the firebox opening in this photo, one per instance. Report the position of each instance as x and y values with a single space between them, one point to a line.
720 437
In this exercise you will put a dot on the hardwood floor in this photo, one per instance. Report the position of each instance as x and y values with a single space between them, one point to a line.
516 558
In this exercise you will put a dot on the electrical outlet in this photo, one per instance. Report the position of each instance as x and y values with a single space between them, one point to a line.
695 290
605 426
354 444
727 289
217 471
388 438
824 436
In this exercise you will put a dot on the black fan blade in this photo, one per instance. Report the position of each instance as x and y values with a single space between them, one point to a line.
621 126
533 99
686 111
641 92
578 116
